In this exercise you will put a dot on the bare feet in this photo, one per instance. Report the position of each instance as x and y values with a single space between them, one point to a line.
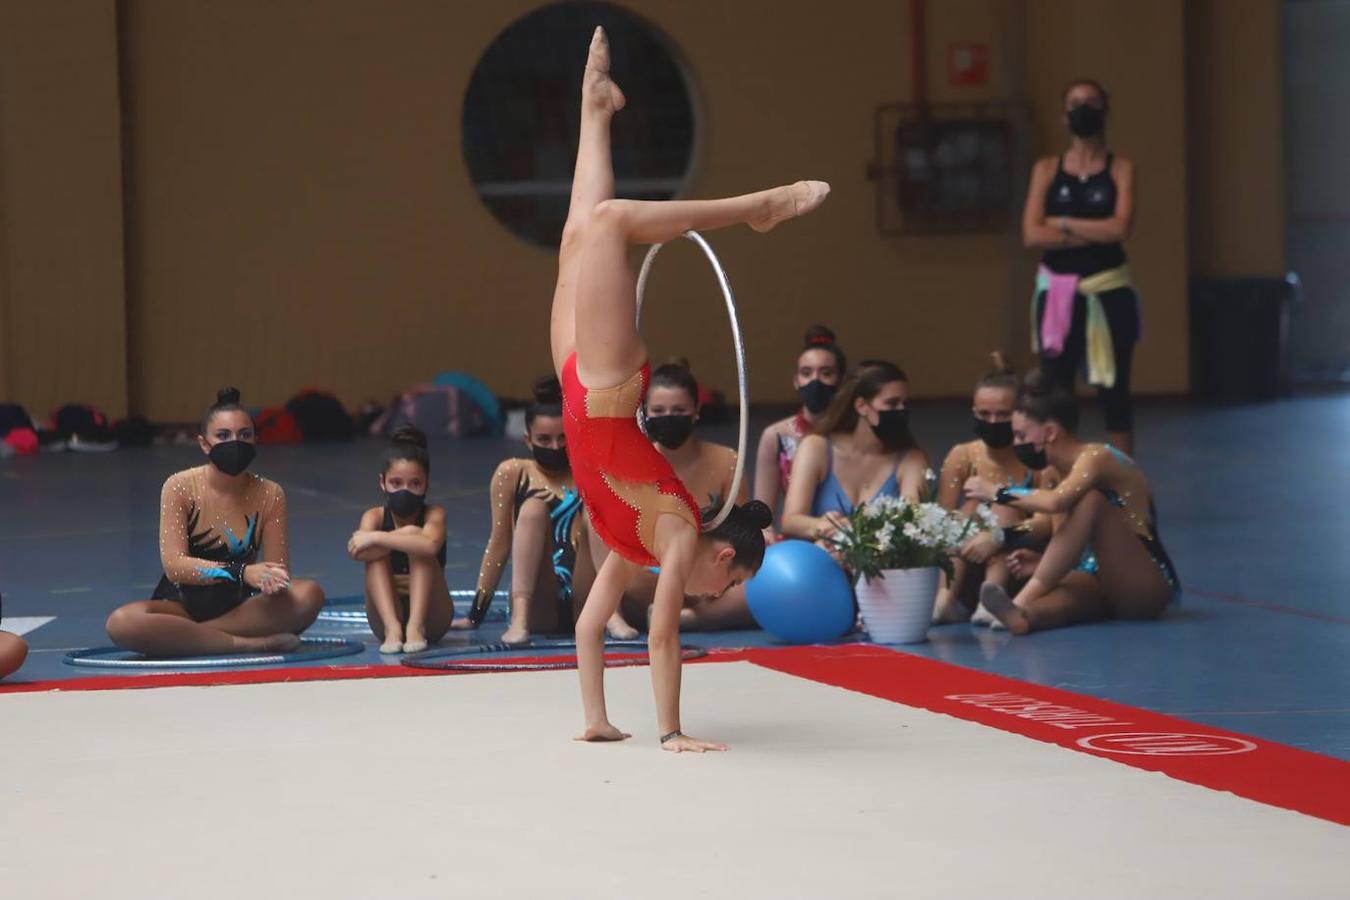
602 734
996 600
598 90
272 643
792 200
982 616
416 640
516 634
619 629
949 610
686 744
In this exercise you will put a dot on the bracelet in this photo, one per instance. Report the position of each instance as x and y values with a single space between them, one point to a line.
478 609
1007 495
672 735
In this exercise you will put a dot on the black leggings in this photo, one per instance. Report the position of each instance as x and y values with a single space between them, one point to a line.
1122 316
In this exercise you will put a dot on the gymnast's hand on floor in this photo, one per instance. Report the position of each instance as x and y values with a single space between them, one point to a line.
270 578
686 744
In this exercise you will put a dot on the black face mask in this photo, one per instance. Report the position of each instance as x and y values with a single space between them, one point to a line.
892 428
232 457
405 504
996 435
816 395
1029 456
554 459
1086 120
670 432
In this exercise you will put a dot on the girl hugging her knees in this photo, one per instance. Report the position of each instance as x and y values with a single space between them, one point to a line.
402 544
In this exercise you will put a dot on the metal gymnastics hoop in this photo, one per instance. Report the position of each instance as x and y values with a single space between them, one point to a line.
117 658
741 376
456 659
333 610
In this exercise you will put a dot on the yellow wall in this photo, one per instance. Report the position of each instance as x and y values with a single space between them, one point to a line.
299 213
1235 83
62 315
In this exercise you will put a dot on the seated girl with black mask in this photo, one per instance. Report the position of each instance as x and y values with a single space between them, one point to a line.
820 368
707 469
402 544
990 455
227 586
538 526
862 449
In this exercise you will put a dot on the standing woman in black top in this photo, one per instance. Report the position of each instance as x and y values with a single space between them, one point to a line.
1085 313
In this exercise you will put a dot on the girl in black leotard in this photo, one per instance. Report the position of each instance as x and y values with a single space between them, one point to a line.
1085 313
402 544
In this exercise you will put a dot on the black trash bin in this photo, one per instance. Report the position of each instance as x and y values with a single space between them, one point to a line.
1239 332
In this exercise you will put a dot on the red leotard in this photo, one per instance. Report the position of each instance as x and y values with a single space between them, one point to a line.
625 482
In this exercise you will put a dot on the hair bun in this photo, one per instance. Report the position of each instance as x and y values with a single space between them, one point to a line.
547 391
999 365
678 362
407 434
757 513
819 336
227 396
1037 383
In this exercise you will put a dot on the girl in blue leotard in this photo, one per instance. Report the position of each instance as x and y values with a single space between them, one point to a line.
862 450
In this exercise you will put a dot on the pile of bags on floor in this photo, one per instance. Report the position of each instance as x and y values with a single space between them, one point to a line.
453 404
76 427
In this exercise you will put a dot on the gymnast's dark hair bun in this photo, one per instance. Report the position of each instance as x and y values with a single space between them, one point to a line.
676 373
409 435
547 401
1000 376
1044 400
408 443
818 335
756 513
227 400
743 529
547 391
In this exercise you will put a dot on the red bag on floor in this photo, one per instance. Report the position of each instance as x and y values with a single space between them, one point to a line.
277 426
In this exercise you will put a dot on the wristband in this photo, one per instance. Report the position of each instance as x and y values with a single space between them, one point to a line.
670 736
478 609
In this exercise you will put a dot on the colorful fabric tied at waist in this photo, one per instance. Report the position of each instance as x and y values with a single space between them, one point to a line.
1050 330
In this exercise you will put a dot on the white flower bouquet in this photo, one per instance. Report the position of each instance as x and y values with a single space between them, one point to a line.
892 533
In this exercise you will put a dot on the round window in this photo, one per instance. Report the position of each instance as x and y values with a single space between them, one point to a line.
523 104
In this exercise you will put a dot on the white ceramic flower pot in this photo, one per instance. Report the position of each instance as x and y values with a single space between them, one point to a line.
898 608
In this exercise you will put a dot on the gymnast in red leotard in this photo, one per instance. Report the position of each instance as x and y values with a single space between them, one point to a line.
632 496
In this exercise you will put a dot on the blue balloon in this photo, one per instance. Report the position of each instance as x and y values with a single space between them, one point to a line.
800 594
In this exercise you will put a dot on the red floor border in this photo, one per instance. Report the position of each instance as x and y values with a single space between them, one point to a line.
1221 760
1249 767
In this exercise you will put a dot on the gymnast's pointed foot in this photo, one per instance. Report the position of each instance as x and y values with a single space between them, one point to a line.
790 201
599 93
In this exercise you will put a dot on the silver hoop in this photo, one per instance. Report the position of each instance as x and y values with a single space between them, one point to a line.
741 375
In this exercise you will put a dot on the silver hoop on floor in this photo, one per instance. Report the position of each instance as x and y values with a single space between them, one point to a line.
741 375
